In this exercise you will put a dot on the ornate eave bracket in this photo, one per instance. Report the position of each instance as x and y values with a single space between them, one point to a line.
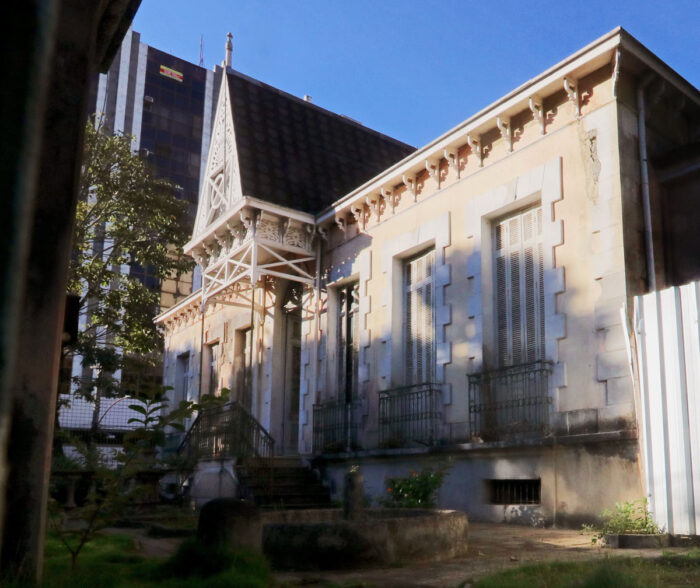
410 182
452 159
537 109
474 143
376 204
503 124
571 89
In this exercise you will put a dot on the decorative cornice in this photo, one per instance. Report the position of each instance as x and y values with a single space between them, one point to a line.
376 204
391 196
450 155
591 58
475 145
503 124
410 182
571 89
432 167
537 110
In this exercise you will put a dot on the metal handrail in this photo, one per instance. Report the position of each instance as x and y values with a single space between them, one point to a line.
228 431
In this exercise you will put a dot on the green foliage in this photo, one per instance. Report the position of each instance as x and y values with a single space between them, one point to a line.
194 559
628 518
112 561
618 572
112 489
127 222
417 490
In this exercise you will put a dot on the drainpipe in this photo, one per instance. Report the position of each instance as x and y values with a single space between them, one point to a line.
644 169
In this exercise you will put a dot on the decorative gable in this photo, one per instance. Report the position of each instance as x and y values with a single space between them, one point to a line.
221 188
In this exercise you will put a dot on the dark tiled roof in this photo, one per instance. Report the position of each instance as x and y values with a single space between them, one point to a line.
296 154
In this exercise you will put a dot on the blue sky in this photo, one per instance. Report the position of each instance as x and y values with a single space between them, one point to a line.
411 68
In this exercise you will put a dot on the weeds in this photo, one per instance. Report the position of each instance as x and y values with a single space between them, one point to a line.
628 518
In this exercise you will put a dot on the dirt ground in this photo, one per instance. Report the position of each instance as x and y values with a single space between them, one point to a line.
492 548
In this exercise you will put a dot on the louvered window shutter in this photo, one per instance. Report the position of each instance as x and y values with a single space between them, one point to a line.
419 330
341 347
519 288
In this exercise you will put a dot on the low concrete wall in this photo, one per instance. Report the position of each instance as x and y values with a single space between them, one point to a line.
578 480
381 537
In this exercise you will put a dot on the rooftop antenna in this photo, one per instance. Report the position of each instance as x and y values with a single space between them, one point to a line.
201 50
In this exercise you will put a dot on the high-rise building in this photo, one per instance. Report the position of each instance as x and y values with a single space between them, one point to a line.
166 105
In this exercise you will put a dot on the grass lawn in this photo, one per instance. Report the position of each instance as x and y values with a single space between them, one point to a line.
111 561
613 572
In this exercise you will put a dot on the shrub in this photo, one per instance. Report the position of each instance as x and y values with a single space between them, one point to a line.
628 518
417 490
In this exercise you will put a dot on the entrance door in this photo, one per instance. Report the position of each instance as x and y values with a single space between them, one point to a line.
290 426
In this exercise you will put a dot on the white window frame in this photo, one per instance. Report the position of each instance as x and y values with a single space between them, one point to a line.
419 354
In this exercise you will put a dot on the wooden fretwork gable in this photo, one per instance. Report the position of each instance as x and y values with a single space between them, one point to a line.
221 187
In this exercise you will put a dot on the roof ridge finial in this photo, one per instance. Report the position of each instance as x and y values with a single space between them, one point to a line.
229 51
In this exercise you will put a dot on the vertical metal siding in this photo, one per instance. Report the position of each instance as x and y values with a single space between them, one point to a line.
668 348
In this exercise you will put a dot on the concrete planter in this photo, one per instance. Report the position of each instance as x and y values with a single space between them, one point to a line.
380 537
632 541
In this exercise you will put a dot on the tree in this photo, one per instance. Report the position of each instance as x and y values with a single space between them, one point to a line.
128 223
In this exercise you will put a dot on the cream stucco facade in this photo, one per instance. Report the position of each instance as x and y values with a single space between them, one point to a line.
507 363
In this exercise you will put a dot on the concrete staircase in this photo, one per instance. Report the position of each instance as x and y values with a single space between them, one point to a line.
281 483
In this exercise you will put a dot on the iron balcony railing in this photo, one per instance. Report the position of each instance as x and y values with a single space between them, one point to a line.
335 427
410 414
226 432
510 401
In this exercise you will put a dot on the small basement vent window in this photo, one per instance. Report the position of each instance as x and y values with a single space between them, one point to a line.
514 491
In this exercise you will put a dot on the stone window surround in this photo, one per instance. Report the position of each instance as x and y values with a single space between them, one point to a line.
434 233
542 184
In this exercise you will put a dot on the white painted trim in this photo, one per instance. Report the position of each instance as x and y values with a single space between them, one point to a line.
206 125
138 97
223 138
123 84
541 184
435 232
581 63
360 269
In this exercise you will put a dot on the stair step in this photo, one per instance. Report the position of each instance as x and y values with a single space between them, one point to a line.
282 482
278 472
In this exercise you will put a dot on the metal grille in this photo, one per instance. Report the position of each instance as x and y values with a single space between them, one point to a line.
410 414
514 491
107 416
226 432
510 401
335 427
